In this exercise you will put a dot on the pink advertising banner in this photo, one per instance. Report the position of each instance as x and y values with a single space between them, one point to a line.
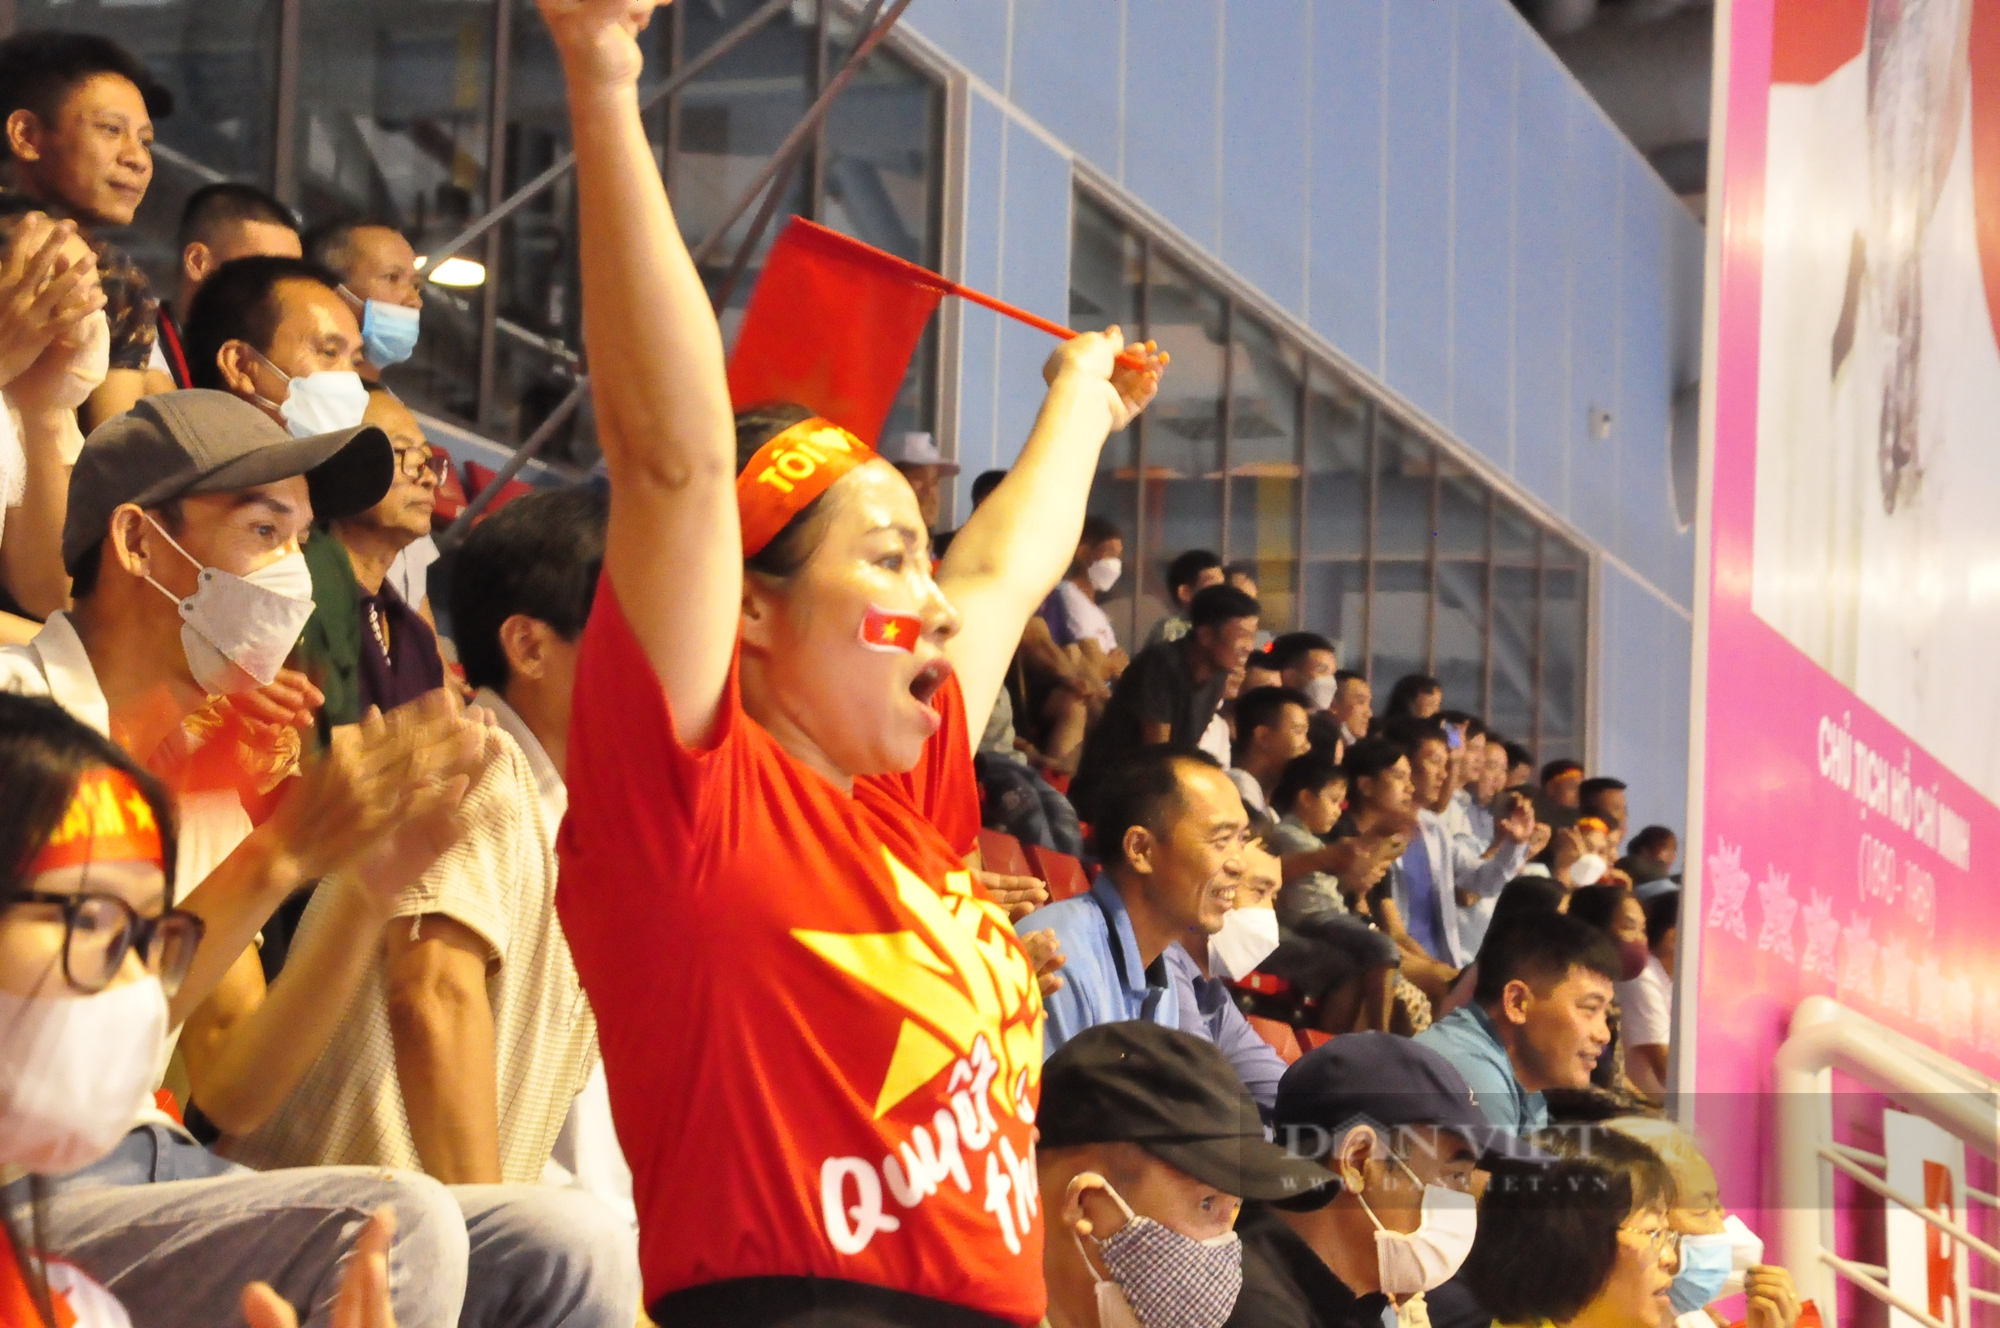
1850 752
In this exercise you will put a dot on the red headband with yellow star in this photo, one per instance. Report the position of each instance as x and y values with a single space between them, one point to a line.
108 820
790 471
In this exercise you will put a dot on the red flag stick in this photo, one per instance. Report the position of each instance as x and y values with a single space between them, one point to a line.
924 276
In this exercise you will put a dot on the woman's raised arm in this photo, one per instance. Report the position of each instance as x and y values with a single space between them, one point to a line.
1014 549
673 550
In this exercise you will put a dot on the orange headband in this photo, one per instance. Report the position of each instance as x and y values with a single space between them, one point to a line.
109 820
790 471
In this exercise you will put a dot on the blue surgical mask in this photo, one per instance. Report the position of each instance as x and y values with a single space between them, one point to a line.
388 332
323 402
1705 1265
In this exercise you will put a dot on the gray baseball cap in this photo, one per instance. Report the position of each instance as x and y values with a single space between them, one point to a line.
197 441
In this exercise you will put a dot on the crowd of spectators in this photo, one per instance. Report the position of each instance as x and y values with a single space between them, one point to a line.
629 933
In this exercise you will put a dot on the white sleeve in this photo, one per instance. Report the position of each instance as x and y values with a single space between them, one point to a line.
1646 1006
157 361
13 461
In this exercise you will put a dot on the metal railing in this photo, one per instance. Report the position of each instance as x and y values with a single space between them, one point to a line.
771 184
1826 1036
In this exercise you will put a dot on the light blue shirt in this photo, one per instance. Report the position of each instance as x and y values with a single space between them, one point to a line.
1455 865
1104 979
1208 1010
1466 1037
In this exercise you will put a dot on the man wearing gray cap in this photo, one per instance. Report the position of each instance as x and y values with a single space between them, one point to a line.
182 540
916 455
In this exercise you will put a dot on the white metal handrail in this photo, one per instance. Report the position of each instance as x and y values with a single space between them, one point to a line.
1825 1036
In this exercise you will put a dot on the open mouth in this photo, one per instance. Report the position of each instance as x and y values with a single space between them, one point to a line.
929 679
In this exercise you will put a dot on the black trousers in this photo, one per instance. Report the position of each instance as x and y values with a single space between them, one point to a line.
809 1302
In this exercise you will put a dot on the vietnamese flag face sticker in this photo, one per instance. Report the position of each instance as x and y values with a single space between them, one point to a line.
884 630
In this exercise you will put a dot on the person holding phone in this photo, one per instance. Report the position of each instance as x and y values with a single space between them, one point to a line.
824 1065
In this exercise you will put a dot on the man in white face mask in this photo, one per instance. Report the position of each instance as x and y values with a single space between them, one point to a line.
1397 1128
277 333
1148 1145
1204 961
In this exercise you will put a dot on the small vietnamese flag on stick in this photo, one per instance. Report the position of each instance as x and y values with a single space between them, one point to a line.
833 323
882 629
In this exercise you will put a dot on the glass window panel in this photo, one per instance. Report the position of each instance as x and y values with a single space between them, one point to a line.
393 123
1106 266
1562 661
219 59
1114 494
1462 496
1515 534
1399 623
1403 471
881 155
1336 468
1182 428
1264 465
1334 603
730 121
1459 652
1559 552
1516 631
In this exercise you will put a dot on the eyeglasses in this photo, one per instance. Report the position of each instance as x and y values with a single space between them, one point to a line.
415 462
99 930
1664 1242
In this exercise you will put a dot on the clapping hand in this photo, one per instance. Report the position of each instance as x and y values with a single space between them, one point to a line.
1019 895
43 295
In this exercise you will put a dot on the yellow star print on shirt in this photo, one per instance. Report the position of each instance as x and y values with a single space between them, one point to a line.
957 976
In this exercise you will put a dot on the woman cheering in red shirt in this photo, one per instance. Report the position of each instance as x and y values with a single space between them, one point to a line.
823 1039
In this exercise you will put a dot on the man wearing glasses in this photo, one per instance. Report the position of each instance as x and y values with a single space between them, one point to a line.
1397 1126
366 644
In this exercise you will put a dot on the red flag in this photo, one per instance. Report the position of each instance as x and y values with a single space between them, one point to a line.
832 325
882 629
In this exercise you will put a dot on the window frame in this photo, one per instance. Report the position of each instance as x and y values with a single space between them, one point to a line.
1324 368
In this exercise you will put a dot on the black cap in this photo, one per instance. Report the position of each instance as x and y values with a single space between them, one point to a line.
1176 1096
197 441
1386 1081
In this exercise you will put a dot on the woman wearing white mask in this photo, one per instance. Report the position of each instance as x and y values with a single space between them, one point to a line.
55 347
1720 1255
1590 1246
91 948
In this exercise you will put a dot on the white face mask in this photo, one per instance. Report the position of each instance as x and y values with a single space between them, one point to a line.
1246 940
1588 870
1410 1262
1322 690
323 402
88 363
1104 574
1746 1251
237 630
74 1072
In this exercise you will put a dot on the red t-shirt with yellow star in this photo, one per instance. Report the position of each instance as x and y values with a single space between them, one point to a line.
823 1040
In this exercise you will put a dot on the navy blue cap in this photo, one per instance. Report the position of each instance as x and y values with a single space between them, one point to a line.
1386 1081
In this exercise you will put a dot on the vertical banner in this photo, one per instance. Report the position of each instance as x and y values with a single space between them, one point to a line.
1848 627
1926 1267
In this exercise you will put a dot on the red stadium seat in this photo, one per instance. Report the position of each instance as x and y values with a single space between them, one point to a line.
1280 1035
1001 852
1063 873
1312 1038
477 477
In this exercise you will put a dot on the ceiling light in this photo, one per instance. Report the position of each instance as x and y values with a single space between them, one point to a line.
458 272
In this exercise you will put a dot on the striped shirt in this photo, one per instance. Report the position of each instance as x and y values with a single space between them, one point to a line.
500 882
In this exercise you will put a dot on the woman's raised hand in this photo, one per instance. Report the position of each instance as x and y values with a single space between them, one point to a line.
1131 375
598 40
